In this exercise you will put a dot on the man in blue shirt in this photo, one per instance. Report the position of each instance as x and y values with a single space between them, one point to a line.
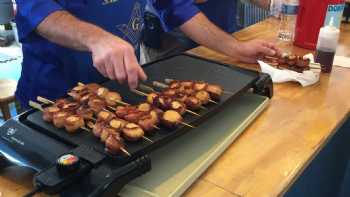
65 42
223 13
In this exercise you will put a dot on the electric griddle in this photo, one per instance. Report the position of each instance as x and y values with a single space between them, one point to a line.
30 142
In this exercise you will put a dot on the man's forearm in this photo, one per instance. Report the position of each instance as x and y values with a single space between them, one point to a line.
64 29
205 33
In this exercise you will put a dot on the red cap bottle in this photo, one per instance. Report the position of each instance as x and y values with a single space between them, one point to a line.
314 14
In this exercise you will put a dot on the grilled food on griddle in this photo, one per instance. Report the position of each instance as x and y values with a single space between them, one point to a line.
93 104
192 87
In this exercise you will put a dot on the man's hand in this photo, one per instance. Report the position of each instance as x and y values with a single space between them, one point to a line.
252 50
115 58
202 31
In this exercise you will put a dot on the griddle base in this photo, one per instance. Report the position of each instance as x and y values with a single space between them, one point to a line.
178 164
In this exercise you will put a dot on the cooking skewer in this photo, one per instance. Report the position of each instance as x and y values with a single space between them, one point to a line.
109 107
164 86
167 80
160 85
91 125
47 101
118 102
143 137
170 80
37 106
144 94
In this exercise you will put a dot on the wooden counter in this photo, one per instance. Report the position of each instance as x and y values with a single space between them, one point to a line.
277 147
274 150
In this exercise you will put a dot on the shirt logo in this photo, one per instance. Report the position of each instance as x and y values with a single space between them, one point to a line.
11 131
132 30
106 2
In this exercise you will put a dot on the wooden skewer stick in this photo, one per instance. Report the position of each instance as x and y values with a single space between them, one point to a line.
167 80
90 124
44 100
187 110
139 92
315 65
171 80
212 101
111 108
156 127
159 84
125 151
122 103
162 85
187 125
86 129
37 106
147 88
147 139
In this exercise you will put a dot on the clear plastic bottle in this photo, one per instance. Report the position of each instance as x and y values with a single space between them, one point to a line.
289 14
326 46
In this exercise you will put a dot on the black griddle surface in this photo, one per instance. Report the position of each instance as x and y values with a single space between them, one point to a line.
181 67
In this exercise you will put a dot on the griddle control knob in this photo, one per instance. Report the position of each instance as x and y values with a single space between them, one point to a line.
67 163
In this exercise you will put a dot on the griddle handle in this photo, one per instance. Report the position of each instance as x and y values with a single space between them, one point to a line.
3 161
116 181
264 85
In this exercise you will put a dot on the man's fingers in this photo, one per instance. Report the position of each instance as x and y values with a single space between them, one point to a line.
132 76
99 65
131 67
142 74
267 51
268 44
273 47
119 68
110 70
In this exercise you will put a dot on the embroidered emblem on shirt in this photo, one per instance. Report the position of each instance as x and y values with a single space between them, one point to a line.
106 2
132 30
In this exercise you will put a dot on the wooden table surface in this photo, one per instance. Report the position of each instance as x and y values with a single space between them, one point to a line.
274 150
268 157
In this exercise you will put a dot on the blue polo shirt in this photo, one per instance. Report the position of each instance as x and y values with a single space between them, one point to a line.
49 69
222 13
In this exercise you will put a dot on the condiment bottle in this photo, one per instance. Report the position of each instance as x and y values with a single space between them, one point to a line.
326 46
